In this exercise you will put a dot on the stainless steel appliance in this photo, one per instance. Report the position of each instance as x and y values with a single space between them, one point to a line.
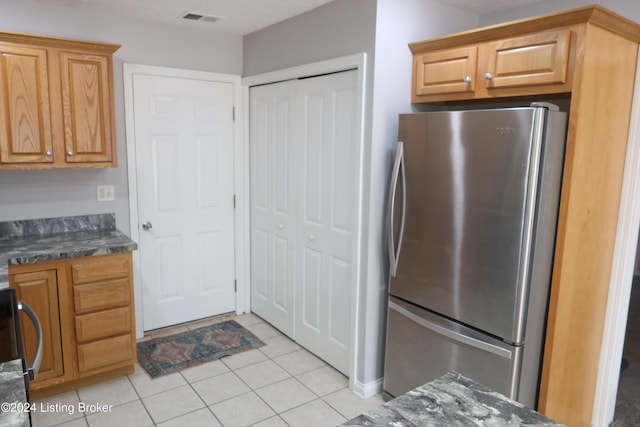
11 340
472 216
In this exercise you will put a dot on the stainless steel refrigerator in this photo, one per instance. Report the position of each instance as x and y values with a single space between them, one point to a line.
471 223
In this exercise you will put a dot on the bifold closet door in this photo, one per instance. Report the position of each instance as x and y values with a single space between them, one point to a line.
327 201
305 166
272 203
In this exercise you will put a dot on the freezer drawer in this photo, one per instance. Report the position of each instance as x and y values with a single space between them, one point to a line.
422 346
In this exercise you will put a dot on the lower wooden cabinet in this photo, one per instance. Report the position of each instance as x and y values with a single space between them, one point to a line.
39 290
85 306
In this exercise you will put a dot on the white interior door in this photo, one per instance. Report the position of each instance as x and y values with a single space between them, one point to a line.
327 204
273 203
184 163
304 196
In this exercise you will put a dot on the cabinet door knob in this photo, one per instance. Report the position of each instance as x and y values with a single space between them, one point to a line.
70 153
48 153
488 76
280 226
467 79
312 237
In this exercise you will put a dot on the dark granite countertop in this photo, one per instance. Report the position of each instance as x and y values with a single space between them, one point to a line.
452 400
51 239
13 394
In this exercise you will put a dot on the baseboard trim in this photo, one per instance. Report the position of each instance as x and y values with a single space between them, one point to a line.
369 389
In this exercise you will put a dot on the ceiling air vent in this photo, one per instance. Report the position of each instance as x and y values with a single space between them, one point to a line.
200 17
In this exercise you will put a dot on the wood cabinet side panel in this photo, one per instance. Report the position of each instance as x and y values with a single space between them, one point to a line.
594 163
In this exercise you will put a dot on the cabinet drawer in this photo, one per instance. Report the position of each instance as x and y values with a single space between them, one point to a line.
537 59
446 71
105 352
103 324
96 296
101 268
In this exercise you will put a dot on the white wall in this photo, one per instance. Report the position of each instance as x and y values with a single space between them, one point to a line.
398 23
43 194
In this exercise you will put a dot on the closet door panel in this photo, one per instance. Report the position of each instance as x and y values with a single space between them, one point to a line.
327 202
305 166
272 204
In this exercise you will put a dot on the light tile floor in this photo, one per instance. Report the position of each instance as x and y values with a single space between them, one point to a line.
280 384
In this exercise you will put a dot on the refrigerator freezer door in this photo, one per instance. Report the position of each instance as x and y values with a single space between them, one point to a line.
422 346
467 179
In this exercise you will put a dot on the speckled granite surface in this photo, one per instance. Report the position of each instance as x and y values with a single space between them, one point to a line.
12 392
38 240
452 400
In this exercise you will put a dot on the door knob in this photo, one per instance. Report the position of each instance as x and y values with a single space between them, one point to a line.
146 226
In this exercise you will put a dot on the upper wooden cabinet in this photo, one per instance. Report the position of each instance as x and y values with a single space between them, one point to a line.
56 103
535 63
587 57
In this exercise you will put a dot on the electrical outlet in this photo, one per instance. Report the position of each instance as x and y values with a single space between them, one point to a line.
106 193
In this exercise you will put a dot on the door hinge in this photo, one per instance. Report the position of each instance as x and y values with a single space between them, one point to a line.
233 113
235 285
234 201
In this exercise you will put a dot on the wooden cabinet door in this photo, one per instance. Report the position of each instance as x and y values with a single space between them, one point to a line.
86 105
449 71
536 59
40 291
25 122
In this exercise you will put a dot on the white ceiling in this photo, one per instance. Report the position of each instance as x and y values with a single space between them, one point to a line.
239 16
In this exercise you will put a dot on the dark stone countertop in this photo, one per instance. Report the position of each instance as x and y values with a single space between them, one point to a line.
12 392
51 239
452 400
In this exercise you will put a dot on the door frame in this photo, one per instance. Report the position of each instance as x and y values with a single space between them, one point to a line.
356 62
240 176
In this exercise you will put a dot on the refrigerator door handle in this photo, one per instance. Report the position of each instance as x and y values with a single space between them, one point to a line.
456 336
398 168
37 360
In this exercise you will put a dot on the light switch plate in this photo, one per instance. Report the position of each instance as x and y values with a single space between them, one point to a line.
106 193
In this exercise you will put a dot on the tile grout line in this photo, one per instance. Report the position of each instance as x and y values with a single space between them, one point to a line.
200 397
256 321
140 399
